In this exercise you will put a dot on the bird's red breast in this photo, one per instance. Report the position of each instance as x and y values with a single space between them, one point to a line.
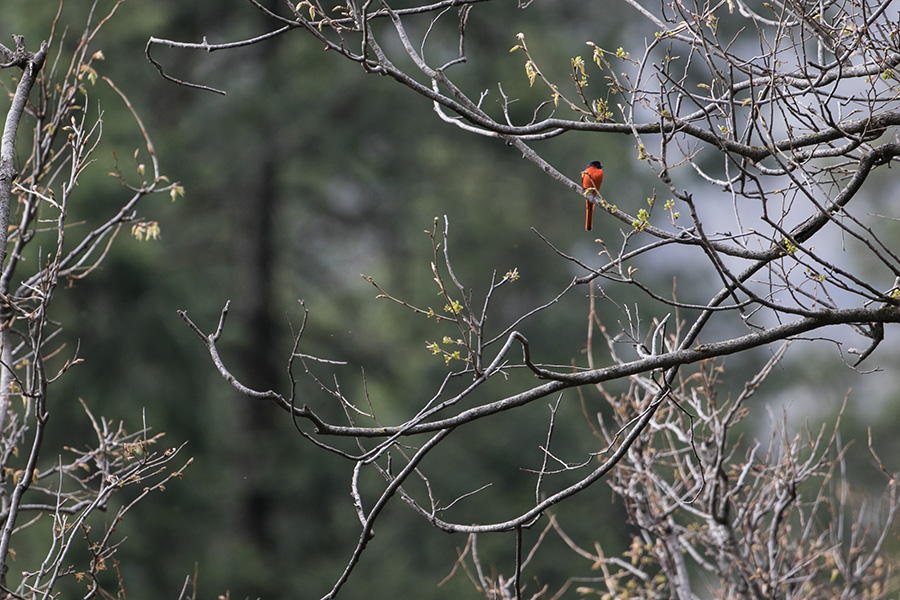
592 176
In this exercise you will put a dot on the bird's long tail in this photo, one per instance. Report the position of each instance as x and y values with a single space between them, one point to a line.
588 215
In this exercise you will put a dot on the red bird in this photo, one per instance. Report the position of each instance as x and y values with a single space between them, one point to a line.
591 178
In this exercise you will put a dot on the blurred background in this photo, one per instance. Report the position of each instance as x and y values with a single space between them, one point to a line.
305 175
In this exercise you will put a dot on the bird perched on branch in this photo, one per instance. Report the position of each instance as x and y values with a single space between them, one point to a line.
591 178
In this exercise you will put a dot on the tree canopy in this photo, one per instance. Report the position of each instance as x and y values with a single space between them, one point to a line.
584 412
784 112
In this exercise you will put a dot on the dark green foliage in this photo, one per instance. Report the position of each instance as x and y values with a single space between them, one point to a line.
306 175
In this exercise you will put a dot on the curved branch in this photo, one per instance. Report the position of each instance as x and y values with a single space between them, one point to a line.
684 356
31 64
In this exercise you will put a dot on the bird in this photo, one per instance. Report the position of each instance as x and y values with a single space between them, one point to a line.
591 178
